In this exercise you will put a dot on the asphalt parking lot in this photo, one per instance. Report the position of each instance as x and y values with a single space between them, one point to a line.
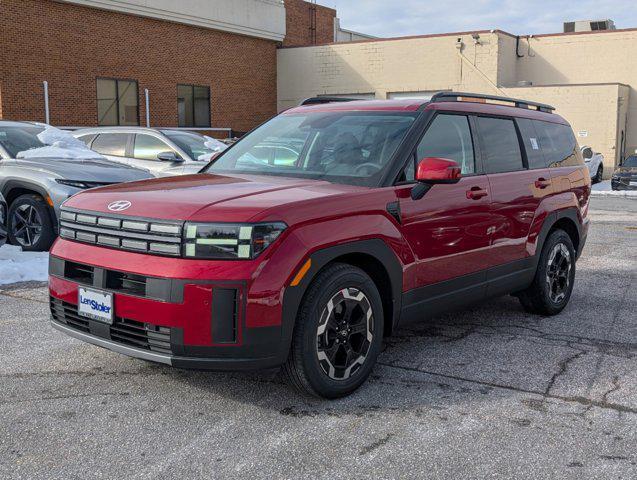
486 392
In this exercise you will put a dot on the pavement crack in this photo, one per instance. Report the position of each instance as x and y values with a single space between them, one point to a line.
69 396
616 386
377 444
584 401
562 369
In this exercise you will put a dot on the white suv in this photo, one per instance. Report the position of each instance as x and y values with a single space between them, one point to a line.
163 152
595 163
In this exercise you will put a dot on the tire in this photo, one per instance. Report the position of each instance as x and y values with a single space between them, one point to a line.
312 367
599 176
553 283
30 224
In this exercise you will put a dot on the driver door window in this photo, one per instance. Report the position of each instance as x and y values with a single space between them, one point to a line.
148 147
449 136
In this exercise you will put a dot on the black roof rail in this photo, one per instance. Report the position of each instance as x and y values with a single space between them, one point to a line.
455 96
321 100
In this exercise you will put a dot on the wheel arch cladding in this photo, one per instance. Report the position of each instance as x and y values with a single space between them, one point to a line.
374 257
570 227
14 189
567 220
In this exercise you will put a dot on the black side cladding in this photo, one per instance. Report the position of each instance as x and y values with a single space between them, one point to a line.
224 315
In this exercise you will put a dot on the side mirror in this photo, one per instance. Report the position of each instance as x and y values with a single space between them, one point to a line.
432 171
169 157
587 153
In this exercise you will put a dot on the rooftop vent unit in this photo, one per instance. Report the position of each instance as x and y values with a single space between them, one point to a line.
589 25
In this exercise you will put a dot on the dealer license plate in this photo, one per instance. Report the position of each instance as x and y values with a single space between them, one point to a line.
96 305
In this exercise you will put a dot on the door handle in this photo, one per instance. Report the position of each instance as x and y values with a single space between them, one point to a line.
476 193
542 183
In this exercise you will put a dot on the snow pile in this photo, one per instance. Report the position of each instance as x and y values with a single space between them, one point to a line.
603 189
18 266
59 144
215 145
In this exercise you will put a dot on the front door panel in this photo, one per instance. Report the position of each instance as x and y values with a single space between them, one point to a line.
448 230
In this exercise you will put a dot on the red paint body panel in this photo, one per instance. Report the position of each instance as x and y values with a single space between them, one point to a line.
515 202
447 232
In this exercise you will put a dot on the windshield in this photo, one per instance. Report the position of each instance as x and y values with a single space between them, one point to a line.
20 139
192 143
353 148
630 162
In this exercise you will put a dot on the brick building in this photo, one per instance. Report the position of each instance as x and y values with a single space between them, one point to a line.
204 64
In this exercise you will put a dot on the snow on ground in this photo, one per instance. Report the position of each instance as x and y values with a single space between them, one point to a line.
603 189
59 144
18 266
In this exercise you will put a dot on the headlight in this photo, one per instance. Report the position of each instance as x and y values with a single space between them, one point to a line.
73 183
228 241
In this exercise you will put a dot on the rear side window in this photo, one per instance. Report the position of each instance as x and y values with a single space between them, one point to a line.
531 144
558 144
449 136
501 145
111 144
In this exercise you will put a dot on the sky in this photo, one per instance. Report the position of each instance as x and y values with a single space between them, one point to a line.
417 17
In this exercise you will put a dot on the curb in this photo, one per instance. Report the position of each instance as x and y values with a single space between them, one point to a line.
615 193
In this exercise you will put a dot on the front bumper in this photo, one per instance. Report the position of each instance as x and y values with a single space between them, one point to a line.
624 183
191 363
223 321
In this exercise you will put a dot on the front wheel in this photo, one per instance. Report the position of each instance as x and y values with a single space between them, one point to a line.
553 283
599 176
338 333
30 224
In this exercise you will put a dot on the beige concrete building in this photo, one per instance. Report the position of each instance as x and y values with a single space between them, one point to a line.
590 77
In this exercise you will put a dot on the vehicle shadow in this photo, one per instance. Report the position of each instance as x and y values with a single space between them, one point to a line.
494 348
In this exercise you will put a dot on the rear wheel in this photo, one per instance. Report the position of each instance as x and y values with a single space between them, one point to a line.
553 283
30 224
599 176
338 333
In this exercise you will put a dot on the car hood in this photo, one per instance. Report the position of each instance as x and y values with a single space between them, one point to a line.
93 170
206 197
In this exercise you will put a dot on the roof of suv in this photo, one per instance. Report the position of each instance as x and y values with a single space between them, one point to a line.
516 108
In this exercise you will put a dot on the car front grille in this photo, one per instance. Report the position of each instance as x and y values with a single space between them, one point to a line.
124 331
122 233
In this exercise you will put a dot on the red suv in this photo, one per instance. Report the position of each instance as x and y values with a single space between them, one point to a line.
321 231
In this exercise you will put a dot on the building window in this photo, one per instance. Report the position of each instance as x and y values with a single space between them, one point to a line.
193 105
117 102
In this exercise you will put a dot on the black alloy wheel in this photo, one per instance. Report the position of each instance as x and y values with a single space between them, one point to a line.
30 224
345 333
558 273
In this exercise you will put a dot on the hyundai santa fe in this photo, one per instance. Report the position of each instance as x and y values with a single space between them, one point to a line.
389 212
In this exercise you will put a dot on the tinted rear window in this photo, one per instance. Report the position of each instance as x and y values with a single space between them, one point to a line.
502 147
531 144
558 144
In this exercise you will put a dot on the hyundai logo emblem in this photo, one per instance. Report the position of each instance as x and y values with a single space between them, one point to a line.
119 206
